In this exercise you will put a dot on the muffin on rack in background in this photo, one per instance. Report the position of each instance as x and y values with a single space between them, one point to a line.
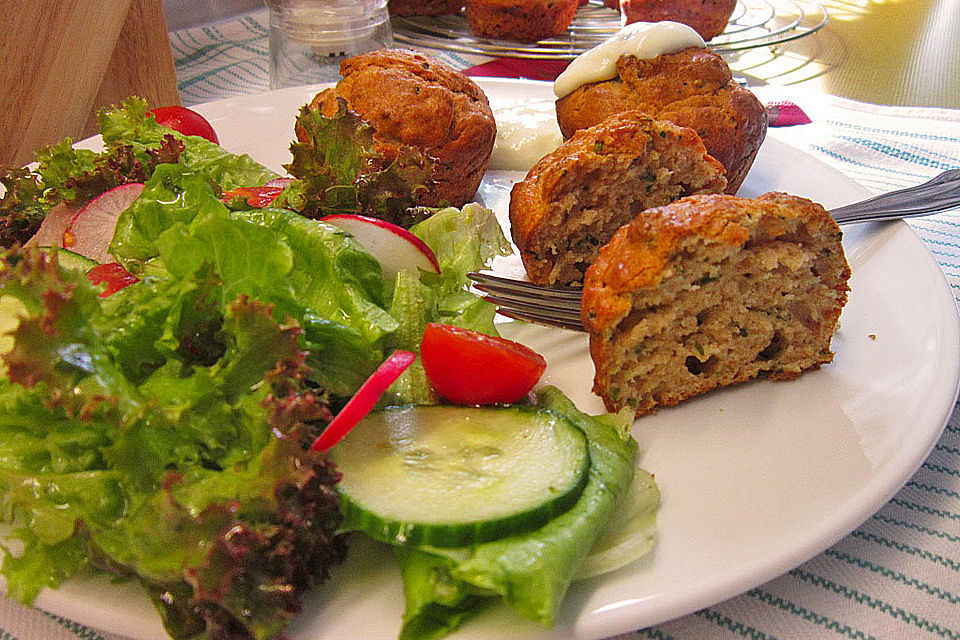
708 17
520 20
424 7
413 100
711 291
692 88
575 198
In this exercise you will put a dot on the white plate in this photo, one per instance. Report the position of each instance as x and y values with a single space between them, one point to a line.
755 479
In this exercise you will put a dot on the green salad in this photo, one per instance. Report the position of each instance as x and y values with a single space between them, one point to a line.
162 434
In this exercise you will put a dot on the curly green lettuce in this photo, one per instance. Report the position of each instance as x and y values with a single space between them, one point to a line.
160 434
341 169
194 480
134 146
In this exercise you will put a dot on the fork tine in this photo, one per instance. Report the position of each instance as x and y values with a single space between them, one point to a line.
529 302
567 314
540 319
509 298
503 286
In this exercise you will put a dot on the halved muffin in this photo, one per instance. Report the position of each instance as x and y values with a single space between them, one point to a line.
710 291
575 198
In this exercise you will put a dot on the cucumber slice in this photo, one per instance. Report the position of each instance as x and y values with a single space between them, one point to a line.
630 534
453 476
70 260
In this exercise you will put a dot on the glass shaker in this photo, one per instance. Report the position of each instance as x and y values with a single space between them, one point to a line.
309 38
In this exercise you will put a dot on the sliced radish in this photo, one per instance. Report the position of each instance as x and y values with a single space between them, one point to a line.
113 276
395 248
54 224
283 183
91 230
261 196
364 399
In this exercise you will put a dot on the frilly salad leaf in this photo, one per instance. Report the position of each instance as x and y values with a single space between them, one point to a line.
342 169
314 272
131 124
463 240
160 434
135 145
193 479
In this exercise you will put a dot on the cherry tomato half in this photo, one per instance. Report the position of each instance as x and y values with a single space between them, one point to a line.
113 275
186 121
257 197
468 367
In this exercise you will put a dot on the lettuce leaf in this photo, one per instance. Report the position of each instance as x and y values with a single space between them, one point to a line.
131 124
135 145
342 169
531 572
463 240
191 477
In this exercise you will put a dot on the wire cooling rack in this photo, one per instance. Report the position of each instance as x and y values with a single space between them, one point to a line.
754 23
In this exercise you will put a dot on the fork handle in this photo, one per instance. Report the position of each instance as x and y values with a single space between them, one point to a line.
938 194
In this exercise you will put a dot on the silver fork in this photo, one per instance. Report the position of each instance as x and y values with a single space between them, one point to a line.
560 306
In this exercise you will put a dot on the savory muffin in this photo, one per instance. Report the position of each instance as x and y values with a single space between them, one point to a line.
708 17
423 7
520 20
412 100
691 88
575 198
710 291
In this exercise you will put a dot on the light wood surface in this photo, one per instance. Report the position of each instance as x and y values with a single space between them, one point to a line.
892 52
64 59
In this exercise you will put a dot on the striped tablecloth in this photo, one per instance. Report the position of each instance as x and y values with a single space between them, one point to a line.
898 574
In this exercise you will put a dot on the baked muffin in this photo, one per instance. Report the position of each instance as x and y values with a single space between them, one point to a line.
691 88
710 291
423 7
520 20
575 198
413 100
708 17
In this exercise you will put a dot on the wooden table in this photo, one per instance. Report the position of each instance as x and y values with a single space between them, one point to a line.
64 59
892 52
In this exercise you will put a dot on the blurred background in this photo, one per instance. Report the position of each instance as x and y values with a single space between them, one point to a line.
885 52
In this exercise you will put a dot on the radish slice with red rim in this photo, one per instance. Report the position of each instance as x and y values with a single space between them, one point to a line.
92 228
364 399
50 233
395 248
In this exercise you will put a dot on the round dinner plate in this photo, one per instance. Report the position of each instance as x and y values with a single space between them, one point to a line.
755 479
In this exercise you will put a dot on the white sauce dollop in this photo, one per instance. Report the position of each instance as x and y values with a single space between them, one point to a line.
643 40
526 131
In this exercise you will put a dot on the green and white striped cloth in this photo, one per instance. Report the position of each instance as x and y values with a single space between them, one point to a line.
898 574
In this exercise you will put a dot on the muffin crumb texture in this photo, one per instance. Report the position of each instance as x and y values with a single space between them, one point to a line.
711 291
574 199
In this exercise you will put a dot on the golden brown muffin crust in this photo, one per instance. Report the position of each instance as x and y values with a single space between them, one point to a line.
413 100
572 179
642 254
423 7
691 88
707 17
520 20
